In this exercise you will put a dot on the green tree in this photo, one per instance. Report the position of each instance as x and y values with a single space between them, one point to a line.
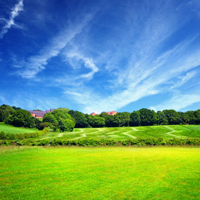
112 121
72 113
135 118
49 117
96 121
22 118
5 111
192 117
104 115
69 124
161 118
61 125
124 118
42 126
197 116
80 119
61 113
148 117
61 118
173 117
16 108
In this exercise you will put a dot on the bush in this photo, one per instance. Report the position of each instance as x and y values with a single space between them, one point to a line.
96 142
42 126
21 136
2 135
43 143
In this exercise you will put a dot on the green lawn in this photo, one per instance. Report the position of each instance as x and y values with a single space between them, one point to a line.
167 132
11 129
99 173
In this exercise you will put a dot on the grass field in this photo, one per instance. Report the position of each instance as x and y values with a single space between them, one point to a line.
11 129
118 133
99 173
167 132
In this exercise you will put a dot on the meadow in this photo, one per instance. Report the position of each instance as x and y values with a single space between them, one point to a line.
99 173
14 130
165 131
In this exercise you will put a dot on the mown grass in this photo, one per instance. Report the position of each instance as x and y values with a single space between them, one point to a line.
118 133
14 130
166 132
99 173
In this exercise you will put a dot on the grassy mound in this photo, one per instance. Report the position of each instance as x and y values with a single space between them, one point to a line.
120 133
15 130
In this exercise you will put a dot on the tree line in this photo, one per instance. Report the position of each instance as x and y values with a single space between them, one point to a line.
64 119
58 120
142 117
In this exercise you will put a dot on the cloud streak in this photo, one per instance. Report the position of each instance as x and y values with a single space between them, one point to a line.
147 71
14 13
109 59
37 63
88 63
178 102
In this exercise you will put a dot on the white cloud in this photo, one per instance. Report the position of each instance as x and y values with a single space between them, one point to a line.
149 70
88 62
30 101
137 63
37 63
184 79
141 83
178 102
14 13
2 99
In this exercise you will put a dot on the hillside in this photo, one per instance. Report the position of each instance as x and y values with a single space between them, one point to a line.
14 130
165 131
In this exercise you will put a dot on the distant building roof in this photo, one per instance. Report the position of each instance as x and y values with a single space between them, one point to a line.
111 113
36 113
94 114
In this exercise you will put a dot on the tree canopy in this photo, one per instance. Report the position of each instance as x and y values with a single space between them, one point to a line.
147 116
61 118
5 111
96 121
22 118
65 119
80 118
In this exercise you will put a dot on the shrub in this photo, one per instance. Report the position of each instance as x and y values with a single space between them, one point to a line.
43 142
42 126
125 142
98 142
21 136
2 135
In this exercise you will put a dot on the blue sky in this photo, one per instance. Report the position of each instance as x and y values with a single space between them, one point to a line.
100 55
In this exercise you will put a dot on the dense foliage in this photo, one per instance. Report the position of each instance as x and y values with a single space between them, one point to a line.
5 112
63 119
80 118
22 118
110 120
106 142
147 117
96 121
59 119
20 136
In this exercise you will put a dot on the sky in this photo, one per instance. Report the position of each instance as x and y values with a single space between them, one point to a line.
102 55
